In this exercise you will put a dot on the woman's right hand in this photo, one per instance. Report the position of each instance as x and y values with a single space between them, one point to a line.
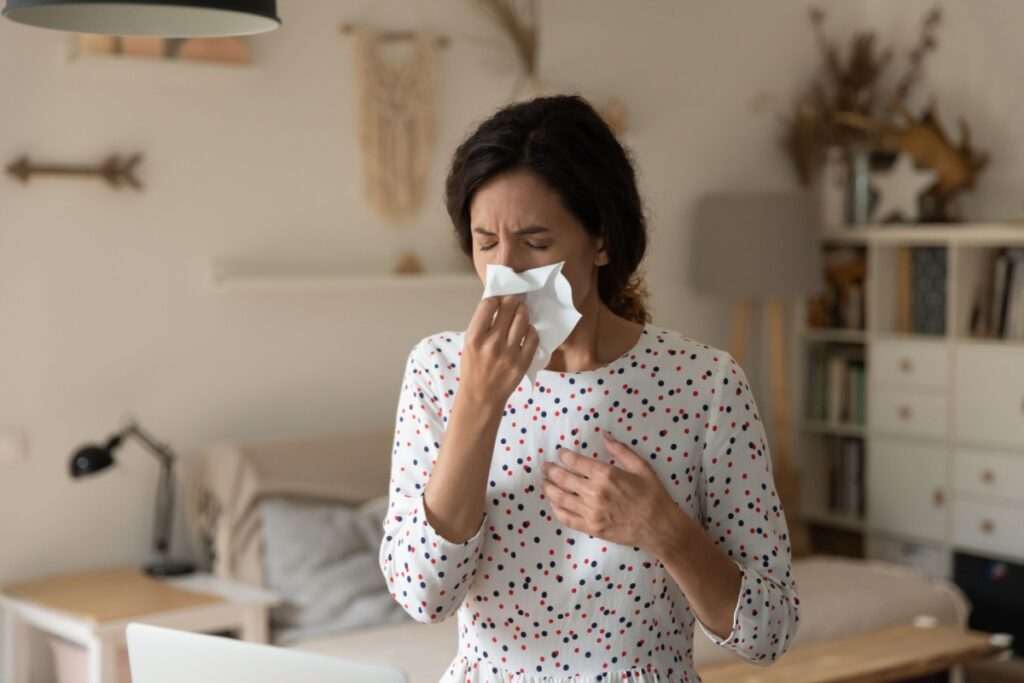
496 355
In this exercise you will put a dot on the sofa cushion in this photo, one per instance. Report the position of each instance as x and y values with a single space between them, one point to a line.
321 558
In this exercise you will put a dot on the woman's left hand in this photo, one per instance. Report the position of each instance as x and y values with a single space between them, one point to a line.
627 505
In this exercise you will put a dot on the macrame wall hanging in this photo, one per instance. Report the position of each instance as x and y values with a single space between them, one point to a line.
397 118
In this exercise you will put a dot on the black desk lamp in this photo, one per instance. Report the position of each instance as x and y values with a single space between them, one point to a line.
93 458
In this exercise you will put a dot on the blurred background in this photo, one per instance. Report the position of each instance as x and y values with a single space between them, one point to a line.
259 271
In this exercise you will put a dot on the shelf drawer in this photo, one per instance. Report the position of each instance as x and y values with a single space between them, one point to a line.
917 363
912 413
985 526
907 492
990 394
989 473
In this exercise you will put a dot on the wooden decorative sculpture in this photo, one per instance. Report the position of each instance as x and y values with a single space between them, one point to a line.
115 170
928 144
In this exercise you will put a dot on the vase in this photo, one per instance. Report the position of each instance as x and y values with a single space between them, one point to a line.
858 185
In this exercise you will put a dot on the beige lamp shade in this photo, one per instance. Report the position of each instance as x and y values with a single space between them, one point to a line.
756 246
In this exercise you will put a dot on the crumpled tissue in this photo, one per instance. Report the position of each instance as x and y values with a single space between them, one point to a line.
547 295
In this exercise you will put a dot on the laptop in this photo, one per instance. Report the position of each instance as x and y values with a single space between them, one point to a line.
164 655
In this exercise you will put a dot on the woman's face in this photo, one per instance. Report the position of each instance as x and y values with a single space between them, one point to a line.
520 222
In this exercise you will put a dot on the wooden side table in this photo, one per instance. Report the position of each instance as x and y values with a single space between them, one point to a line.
92 609
899 653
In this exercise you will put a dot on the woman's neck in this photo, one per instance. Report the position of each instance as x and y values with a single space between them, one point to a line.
596 341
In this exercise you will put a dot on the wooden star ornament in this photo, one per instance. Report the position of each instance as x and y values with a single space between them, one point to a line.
899 189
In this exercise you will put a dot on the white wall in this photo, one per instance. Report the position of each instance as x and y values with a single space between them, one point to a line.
974 73
103 304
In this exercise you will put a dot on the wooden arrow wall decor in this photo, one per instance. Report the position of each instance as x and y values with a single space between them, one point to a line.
116 171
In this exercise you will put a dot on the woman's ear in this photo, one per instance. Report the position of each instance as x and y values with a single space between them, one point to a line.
602 253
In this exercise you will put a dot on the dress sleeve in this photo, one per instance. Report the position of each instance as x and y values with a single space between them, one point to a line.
426 573
742 515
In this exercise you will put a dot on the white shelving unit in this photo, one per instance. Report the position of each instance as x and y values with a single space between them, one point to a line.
944 428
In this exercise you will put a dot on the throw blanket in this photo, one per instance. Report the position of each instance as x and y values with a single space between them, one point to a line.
223 489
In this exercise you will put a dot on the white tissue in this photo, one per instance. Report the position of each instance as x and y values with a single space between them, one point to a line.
547 295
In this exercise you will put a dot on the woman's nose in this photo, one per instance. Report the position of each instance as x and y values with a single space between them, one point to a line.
509 259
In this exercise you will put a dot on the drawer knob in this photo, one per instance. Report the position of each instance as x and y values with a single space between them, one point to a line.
988 476
906 365
939 497
905 412
988 526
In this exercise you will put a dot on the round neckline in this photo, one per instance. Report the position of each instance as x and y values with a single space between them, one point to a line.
611 365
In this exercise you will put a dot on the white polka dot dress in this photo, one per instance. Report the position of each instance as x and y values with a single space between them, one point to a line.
539 601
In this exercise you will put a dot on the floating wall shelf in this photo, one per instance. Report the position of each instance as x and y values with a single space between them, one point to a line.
236 275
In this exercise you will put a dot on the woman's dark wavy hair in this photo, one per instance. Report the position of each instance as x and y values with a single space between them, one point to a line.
564 142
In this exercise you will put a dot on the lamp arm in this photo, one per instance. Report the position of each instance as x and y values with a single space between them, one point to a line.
161 451
163 517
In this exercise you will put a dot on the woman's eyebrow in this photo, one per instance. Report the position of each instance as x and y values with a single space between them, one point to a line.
529 230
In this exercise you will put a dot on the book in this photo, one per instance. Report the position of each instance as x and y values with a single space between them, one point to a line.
904 288
929 290
998 290
857 393
1015 300
845 463
835 384
851 452
836 389
816 389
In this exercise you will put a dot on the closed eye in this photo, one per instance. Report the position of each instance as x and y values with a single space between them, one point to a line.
538 247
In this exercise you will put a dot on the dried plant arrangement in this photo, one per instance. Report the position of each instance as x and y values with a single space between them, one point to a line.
853 84
519 20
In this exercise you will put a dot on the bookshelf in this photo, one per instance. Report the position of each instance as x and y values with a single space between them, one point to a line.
911 394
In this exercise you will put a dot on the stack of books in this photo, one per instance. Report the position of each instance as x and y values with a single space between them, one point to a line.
998 309
836 384
846 477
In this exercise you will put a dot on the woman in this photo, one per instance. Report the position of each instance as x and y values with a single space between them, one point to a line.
582 530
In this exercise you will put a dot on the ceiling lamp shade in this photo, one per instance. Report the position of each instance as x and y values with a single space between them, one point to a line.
164 18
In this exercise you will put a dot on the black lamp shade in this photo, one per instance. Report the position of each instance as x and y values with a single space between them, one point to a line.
92 458
166 18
